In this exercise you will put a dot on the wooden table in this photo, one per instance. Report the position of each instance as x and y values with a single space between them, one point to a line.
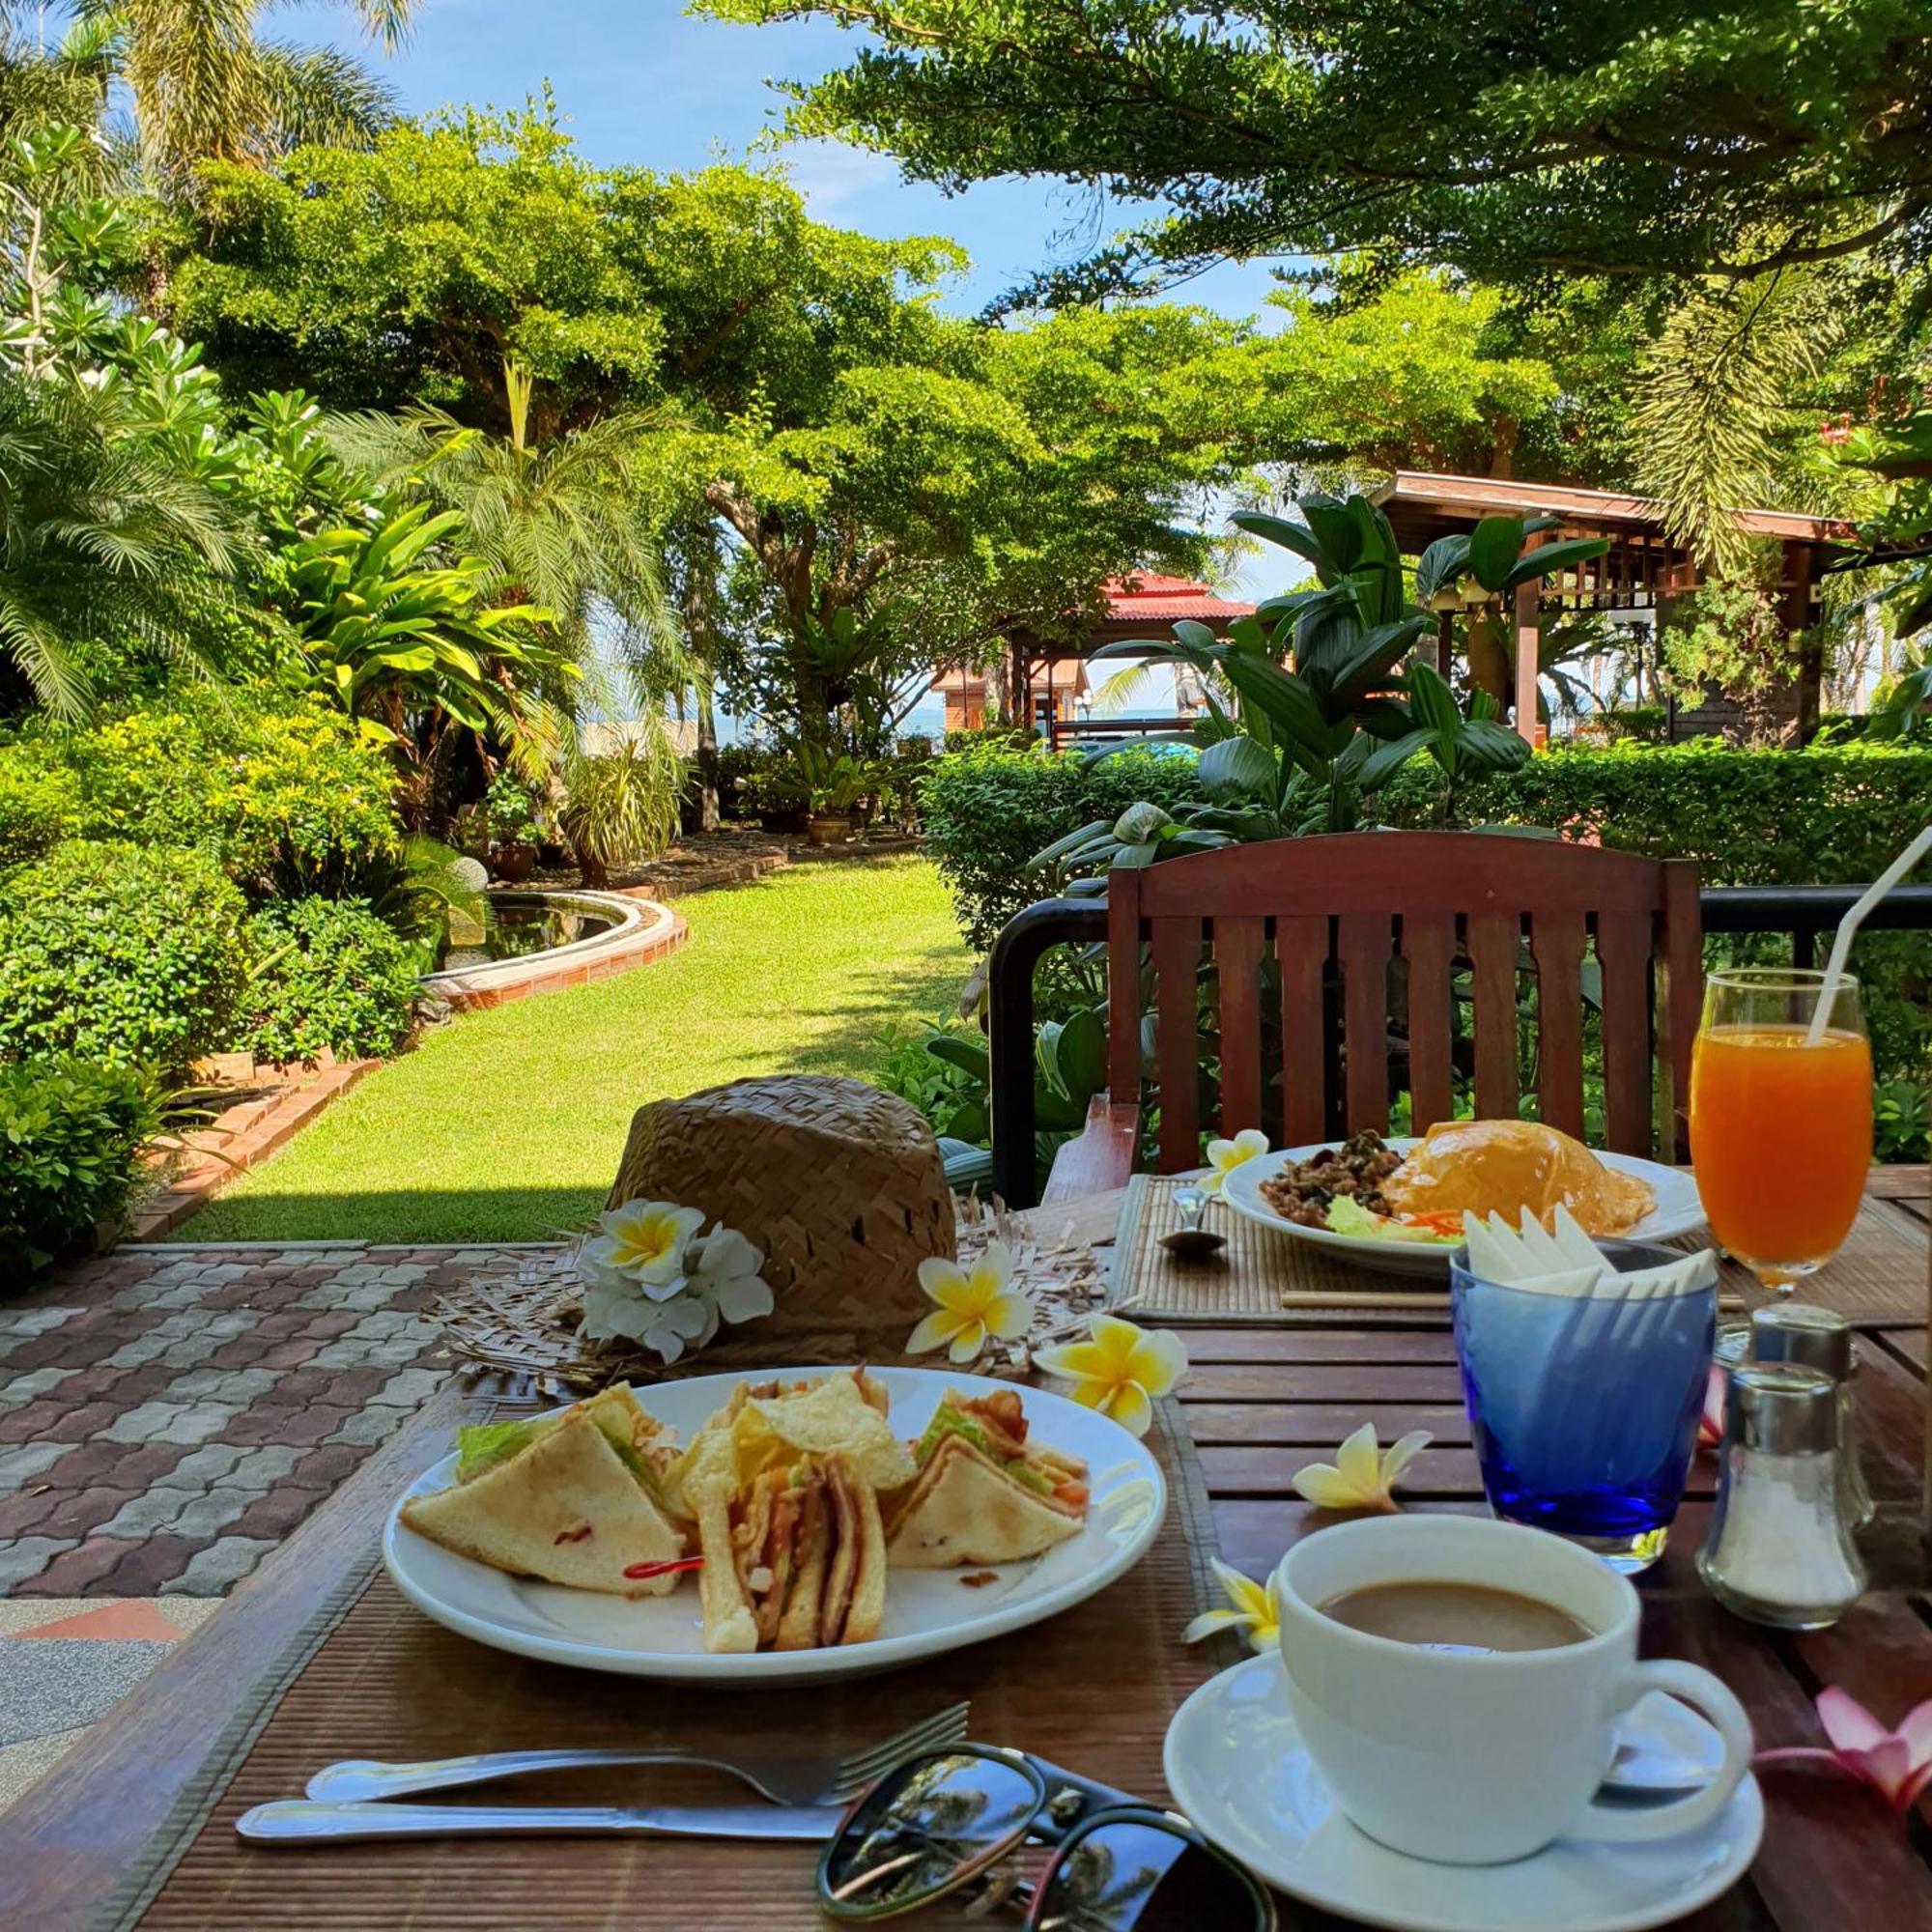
1260 1402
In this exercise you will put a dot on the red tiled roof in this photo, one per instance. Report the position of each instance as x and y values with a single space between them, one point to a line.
1147 597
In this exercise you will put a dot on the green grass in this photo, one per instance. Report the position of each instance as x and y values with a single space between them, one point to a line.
507 1124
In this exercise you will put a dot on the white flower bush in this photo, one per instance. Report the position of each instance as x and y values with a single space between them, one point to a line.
649 1276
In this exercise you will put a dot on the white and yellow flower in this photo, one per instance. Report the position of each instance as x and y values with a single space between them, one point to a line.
1256 1610
1363 1475
643 1242
1119 1369
975 1304
1225 1156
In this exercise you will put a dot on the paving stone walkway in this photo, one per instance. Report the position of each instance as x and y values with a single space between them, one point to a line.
168 1414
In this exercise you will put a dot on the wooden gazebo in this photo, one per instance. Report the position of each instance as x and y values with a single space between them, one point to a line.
1641 569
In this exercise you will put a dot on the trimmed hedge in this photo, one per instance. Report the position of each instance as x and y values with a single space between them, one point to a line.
1832 814
286 801
1765 817
71 1135
123 955
331 974
39 805
989 812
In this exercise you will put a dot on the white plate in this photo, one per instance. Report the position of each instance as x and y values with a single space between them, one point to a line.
1237 1768
1678 1210
927 1612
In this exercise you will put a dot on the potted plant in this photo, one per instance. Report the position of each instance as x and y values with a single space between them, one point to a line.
511 808
832 786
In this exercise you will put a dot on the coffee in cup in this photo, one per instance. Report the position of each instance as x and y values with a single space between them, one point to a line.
1469 1619
1457 1684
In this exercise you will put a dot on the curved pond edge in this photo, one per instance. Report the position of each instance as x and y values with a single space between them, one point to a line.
643 930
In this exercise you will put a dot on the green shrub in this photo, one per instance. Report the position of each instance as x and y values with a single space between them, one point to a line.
124 954
287 801
39 805
331 973
1827 814
989 812
72 1136
1750 817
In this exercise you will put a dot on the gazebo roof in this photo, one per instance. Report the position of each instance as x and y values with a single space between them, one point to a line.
1148 598
1424 504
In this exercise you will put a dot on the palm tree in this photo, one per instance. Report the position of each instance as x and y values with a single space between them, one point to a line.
569 524
98 542
207 88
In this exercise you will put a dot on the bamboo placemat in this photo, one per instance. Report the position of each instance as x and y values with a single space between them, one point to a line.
1877 1277
1258 1277
1092 1690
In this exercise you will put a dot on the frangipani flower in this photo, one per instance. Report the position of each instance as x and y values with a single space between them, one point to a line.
644 1242
1362 1476
724 1269
1224 1156
627 1292
1257 1608
1895 1764
973 1303
1119 1369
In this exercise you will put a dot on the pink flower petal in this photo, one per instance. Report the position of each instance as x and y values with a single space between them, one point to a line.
1915 1728
1847 1722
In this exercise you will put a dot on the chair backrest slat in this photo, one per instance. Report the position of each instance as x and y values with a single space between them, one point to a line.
1301 947
1237 963
1428 946
1176 962
1339 908
1362 944
1623 951
1558 940
1496 945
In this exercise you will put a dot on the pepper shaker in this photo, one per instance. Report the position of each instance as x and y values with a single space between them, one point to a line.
1779 1550
1821 1339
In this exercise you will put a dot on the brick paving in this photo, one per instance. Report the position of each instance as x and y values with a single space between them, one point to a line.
168 1414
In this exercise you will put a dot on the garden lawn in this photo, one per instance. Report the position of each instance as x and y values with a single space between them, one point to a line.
507 1124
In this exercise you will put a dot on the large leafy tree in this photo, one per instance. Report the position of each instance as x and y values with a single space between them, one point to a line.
1511 138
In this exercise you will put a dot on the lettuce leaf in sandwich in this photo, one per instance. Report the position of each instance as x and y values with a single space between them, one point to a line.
984 1492
574 1498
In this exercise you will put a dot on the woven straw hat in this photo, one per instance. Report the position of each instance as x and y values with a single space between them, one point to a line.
839 1184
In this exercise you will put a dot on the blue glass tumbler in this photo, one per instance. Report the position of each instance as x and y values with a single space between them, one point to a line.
1584 1409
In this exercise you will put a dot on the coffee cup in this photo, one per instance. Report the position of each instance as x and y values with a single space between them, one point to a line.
1477 1757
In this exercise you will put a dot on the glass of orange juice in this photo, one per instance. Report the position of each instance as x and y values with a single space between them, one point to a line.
1781 1124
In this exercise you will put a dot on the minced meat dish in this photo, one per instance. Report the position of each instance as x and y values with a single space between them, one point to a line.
1358 1167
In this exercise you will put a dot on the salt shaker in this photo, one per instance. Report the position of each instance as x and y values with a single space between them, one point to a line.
1818 1338
1779 1550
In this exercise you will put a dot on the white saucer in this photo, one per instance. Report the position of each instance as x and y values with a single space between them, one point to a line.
1238 1770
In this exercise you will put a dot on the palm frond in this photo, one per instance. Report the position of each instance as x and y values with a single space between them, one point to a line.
323 97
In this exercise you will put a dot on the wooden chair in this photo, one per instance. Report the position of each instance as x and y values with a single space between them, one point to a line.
1337 912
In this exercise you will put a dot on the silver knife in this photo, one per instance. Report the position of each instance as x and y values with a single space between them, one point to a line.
308 1820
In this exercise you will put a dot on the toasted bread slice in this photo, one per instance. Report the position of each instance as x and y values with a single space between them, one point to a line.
966 1509
565 1509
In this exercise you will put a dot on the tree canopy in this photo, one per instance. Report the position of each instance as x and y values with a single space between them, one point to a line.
1511 138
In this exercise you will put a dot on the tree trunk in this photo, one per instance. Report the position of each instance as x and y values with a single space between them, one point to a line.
1019 686
707 760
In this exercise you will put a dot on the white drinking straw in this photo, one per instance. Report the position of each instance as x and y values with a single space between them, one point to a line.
1848 928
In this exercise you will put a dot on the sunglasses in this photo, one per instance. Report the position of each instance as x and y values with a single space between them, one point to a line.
943 1819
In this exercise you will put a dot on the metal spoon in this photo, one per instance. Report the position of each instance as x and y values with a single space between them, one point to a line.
1191 1241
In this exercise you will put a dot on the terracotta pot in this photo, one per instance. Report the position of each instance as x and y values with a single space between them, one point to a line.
514 862
827 828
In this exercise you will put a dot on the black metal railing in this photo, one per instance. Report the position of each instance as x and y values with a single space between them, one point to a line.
1799 912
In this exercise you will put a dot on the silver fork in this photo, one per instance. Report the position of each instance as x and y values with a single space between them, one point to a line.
784 1780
